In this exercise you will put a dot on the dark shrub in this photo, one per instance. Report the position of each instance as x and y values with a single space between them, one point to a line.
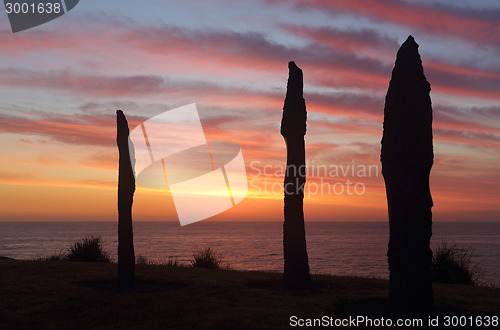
207 258
88 249
452 264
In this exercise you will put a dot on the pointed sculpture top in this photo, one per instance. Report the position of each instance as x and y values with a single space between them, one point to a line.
295 81
408 61
122 124
293 123
408 47
292 65
410 39
120 117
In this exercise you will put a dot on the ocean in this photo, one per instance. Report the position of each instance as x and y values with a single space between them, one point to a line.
337 248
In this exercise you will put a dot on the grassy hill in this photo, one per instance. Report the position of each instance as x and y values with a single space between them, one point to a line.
78 295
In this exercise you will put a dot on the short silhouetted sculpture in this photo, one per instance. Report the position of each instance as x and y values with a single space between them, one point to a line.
407 157
126 188
293 130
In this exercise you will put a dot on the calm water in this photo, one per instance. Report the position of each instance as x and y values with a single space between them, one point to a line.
354 248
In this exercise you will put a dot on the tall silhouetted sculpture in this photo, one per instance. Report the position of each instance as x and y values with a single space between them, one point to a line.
293 130
126 189
407 158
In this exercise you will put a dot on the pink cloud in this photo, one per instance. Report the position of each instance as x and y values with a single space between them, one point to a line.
80 130
473 25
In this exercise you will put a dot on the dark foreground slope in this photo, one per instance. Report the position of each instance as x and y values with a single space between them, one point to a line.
44 294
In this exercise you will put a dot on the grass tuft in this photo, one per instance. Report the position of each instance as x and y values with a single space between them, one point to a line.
88 249
207 258
453 264
55 257
172 262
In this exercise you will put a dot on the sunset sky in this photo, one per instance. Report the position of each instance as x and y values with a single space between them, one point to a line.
62 82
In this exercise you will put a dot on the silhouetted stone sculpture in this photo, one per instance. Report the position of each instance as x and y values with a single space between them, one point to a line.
407 157
293 130
126 189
